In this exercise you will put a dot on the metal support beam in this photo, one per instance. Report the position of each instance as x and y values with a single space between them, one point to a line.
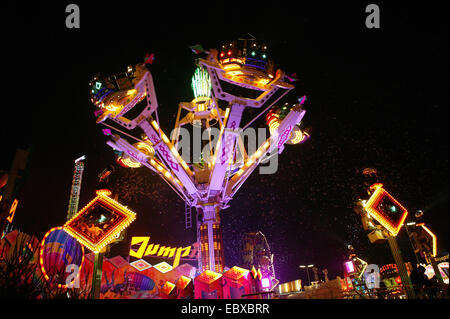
406 281
97 275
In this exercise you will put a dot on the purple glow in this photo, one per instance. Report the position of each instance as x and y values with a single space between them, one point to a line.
265 283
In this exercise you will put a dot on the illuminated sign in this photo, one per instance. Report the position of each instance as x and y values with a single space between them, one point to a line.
156 250
386 210
99 222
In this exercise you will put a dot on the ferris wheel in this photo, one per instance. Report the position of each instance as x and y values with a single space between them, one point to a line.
256 253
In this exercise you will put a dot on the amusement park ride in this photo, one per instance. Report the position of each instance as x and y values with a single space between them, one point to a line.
225 83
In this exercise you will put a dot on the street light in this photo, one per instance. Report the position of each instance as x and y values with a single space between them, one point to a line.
307 271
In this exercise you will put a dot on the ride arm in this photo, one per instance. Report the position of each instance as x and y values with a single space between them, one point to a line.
274 143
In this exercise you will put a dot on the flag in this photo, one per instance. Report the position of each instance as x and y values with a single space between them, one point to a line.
106 131
302 100
292 77
98 112
197 49
149 58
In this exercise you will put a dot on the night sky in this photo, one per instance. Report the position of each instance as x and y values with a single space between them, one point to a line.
376 98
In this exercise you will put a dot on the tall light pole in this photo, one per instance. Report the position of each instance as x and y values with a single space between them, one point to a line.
307 271
409 237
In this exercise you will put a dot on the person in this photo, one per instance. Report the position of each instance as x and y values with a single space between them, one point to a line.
432 287
420 282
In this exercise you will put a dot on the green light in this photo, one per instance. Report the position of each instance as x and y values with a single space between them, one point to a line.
264 56
393 209
98 85
201 83
253 53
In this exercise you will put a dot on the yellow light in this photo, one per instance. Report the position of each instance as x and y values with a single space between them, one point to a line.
273 125
145 148
105 191
375 186
297 136
434 239
112 107
127 161
234 73
12 211
371 204
155 125
167 174
165 139
130 216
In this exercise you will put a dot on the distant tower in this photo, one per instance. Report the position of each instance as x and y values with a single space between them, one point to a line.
325 273
76 186
316 273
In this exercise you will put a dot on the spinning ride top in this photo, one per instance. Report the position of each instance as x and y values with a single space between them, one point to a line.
225 84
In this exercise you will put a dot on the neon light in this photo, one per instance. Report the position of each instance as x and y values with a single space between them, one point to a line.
201 83
12 211
433 236
146 249
350 267
373 210
296 136
172 150
265 283
92 236
129 162
103 191
145 148
375 186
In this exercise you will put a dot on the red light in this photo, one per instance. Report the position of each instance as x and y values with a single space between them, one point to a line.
398 280
229 52
222 54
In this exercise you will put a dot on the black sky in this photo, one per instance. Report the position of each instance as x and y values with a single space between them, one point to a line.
376 98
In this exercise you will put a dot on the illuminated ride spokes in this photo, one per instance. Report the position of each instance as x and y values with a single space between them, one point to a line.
240 76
